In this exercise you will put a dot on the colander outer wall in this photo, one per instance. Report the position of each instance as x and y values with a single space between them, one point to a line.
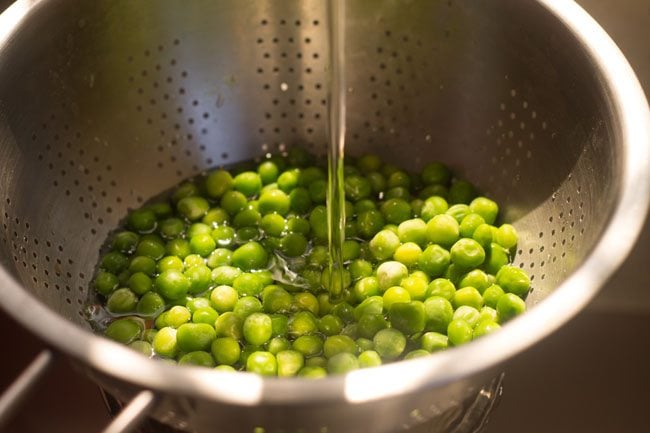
627 101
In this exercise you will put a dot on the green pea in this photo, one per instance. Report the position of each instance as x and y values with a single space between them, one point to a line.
248 183
360 268
496 258
124 330
396 210
469 224
151 248
390 274
197 358
143 347
506 236
441 287
233 202
484 327
371 305
288 180
290 362
394 295
217 183
219 257
483 235
330 324
263 363
179 248
434 341
105 282
274 201
142 221
224 298
336 344
459 212
413 230
443 230
439 313
278 344
193 208
492 294
384 244
302 323
247 305
305 301
509 306
215 216
416 286
268 172
308 345
223 235
468 296
389 343
150 304
408 317
205 315
248 284
177 316
194 304
114 262
432 206
467 253
459 332
312 372
513 280
195 336
164 343
229 325
172 284
369 223
342 363
434 260
294 244
257 328
250 256
170 263
469 314
476 278
122 301
300 200
125 242
486 208
366 287
369 358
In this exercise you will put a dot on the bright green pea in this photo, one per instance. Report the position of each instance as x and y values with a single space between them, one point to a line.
395 295
179 248
513 280
439 312
330 324
205 315
302 323
336 344
198 229
143 347
280 324
219 257
250 256
268 172
389 343
342 363
492 294
177 316
289 362
496 258
488 313
506 236
172 284
194 304
200 278
195 336
469 314
371 305
278 344
122 301
248 183
308 345
160 209
357 188
467 296
408 317
170 263
275 299
469 224
105 282
224 298
432 206
202 244
484 327
369 358
441 287
360 268
467 253
458 211
366 287
164 342
459 332
413 230
186 189
415 286
223 235
248 284
193 208
483 235
390 274
217 183
486 208
443 230
475 278
257 328
434 341
274 201
510 306
305 301
124 330
229 325
233 202
312 372
263 363
384 244
215 216
150 248
247 305
197 358
434 260
273 224
150 304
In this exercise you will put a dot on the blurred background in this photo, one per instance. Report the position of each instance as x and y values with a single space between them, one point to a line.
591 376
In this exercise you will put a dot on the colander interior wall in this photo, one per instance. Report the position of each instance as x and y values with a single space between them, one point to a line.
116 101
122 100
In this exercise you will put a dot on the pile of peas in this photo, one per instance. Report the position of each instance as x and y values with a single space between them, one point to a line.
230 271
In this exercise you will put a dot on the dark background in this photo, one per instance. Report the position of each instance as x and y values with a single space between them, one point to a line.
592 376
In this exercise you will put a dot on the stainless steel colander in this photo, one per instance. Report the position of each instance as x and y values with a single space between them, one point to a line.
106 103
